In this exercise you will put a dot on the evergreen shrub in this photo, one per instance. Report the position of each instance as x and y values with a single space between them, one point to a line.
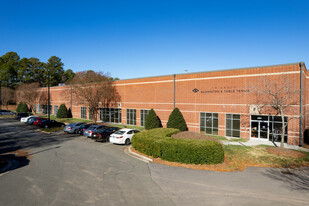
152 120
62 111
24 108
176 120
159 143
18 107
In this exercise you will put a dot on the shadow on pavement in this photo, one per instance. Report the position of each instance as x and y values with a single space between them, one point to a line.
296 178
14 162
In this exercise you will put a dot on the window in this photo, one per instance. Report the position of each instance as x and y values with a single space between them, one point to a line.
89 113
209 123
55 110
144 114
110 115
232 125
83 112
131 116
39 108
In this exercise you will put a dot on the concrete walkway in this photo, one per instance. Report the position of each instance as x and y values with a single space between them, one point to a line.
253 142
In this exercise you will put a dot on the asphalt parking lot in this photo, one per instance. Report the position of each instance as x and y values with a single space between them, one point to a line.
64 169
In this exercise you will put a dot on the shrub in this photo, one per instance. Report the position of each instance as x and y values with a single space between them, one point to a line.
176 120
69 113
18 107
306 136
24 108
62 112
159 143
152 120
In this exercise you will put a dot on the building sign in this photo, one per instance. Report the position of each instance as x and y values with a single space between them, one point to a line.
219 90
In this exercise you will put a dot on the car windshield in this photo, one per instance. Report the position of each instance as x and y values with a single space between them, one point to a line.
120 132
92 127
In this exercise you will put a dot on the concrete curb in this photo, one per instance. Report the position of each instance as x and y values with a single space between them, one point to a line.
129 152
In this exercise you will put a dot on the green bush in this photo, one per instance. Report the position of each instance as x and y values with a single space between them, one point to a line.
176 120
62 111
18 107
24 108
306 136
159 143
152 120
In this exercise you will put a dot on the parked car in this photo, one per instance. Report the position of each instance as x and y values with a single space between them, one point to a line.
92 129
31 120
123 136
38 120
83 127
50 123
103 134
25 119
6 112
73 128
22 114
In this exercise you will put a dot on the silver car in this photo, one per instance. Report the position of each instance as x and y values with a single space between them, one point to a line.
73 128
88 132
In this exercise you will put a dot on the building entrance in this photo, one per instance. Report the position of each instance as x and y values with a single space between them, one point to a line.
267 128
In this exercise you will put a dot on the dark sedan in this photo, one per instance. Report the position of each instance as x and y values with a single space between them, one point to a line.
103 134
50 123
31 120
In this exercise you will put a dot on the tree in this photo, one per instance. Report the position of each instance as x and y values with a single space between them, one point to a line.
176 120
152 120
7 96
93 89
8 69
277 97
56 71
28 93
62 112
68 76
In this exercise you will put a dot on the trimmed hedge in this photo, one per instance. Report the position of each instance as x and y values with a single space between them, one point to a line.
62 111
159 143
152 120
18 107
176 121
24 108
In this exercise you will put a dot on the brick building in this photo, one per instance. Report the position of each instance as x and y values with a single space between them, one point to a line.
221 102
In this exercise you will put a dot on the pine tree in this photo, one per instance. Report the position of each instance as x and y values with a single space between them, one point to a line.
152 120
176 120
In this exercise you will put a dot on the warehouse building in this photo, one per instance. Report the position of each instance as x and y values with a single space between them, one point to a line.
224 102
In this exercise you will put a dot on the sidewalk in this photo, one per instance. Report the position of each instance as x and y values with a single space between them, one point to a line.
253 142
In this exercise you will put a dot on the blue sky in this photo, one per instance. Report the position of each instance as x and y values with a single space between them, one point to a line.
131 39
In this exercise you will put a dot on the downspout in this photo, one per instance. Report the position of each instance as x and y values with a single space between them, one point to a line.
174 91
301 64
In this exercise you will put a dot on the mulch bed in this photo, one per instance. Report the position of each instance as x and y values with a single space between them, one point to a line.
193 135
284 152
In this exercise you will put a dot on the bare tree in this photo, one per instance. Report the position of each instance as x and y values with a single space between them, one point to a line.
7 96
92 88
28 93
277 97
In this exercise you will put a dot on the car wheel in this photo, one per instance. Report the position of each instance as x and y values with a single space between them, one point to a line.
75 131
127 142
107 139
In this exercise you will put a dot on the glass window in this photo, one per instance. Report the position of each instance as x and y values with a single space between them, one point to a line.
83 112
55 110
209 123
110 115
144 114
232 125
131 116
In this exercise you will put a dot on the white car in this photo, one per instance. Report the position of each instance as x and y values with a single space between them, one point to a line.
25 119
123 136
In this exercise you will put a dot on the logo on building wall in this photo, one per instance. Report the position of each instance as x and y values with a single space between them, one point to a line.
195 90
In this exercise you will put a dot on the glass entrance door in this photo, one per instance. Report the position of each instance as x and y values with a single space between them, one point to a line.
259 129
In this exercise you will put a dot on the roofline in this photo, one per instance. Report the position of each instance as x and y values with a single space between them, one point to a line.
221 70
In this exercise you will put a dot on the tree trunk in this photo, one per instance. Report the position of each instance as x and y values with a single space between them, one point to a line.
283 130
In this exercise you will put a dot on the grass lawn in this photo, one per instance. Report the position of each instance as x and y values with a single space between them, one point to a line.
53 129
128 126
65 120
240 157
230 139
